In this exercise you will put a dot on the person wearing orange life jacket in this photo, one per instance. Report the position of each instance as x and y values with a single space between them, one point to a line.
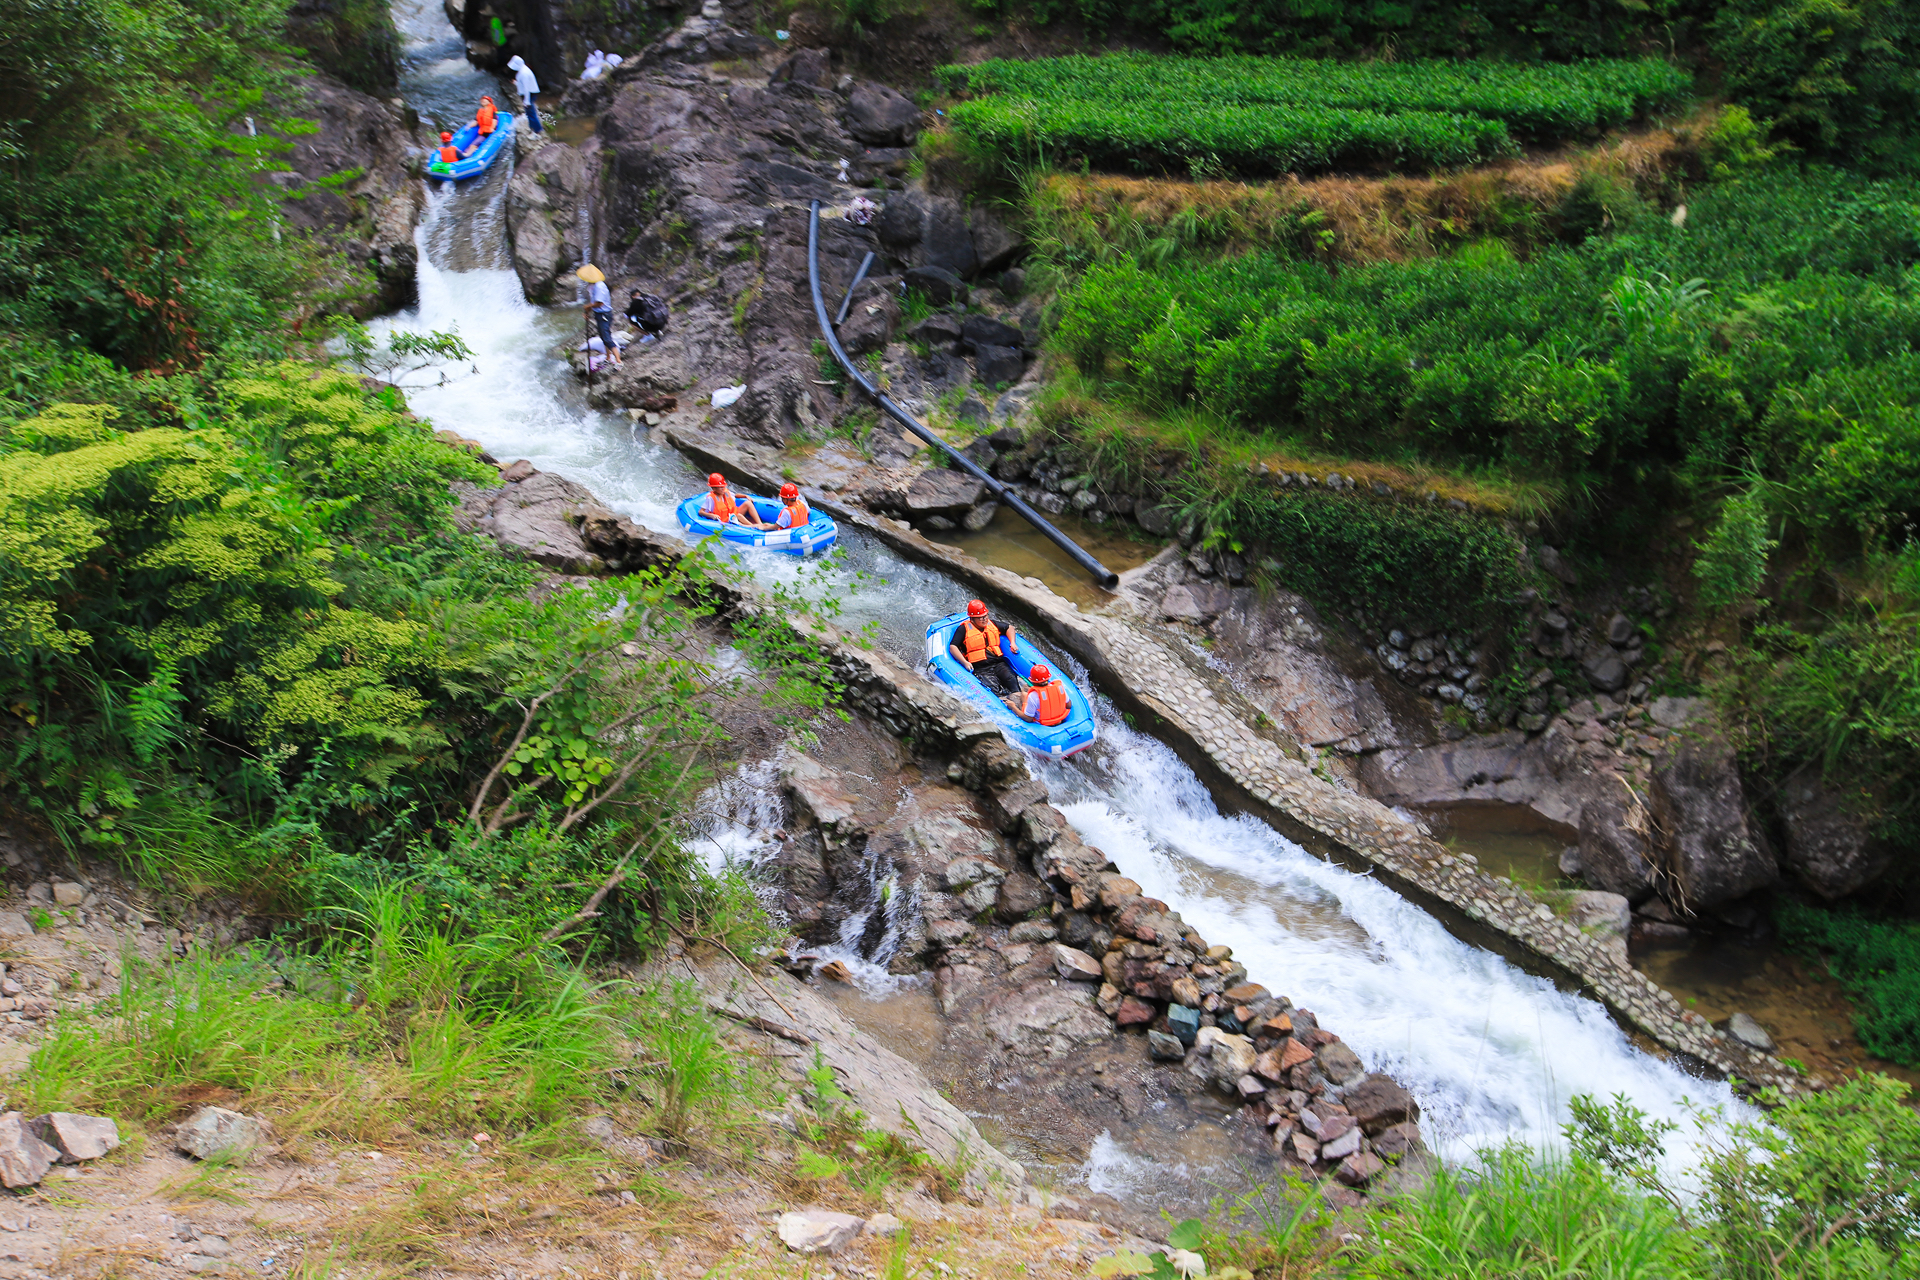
486 117
448 152
1045 703
977 646
793 512
721 504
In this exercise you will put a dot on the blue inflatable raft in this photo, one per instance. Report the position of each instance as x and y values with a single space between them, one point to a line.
817 535
1075 733
482 156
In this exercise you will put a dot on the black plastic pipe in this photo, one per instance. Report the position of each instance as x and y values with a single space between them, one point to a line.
858 276
1101 574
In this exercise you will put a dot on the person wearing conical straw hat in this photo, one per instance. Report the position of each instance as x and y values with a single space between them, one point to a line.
600 306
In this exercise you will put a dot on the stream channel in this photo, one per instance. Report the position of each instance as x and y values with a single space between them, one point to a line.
1492 1053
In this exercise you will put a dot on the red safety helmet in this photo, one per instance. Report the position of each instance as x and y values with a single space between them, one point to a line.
976 608
484 98
446 137
789 491
716 481
1039 674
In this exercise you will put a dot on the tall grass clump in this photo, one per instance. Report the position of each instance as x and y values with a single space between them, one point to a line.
393 1025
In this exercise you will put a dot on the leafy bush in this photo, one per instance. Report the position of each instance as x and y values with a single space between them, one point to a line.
1733 559
1878 961
1832 77
1458 570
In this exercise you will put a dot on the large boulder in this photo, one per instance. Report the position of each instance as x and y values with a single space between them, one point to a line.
941 491
1046 1019
1830 845
370 216
872 318
535 517
1700 813
24 1159
543 213
882 117
1616 839
812 68
947 241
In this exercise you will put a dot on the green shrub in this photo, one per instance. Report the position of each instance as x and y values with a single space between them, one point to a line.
1833 77
1394 559
1355 386
1878 961
1733 560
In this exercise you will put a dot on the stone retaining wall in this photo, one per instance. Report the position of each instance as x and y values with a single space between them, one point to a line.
1198 713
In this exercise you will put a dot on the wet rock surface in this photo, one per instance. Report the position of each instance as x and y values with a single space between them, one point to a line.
370 217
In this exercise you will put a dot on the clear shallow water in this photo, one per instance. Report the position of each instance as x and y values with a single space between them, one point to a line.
1492 1053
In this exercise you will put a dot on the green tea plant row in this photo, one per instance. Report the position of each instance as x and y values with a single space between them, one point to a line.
1539 102
1253 140
1778 329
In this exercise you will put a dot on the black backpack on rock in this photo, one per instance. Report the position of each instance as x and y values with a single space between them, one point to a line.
649 311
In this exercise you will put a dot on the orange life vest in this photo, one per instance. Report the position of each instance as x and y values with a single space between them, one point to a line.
723 504
978 645
797 513
484 118
449 154
1053 703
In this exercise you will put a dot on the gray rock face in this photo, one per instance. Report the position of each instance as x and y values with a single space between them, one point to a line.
937 285
1675 713
1340 1064
1616 841
1748 1031
818 1230
998 366
995 245
371 217
24 1159
979 331
1075 965
941 491
1165 1048
1699 809
1830 844
948 242
810 67
1605 671
1046 1020
535 518
543 223
1605 915
882 117
871 320
76 1137
1378 1103
1195 602
216 1131
902 220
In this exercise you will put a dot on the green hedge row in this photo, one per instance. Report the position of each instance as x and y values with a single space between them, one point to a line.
1248 140
1538 102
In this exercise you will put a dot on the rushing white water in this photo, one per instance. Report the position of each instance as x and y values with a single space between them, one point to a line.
1492 1053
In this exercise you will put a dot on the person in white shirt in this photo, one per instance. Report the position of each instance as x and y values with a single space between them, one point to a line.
528 86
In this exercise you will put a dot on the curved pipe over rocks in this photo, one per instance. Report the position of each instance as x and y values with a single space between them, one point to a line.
1101 574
